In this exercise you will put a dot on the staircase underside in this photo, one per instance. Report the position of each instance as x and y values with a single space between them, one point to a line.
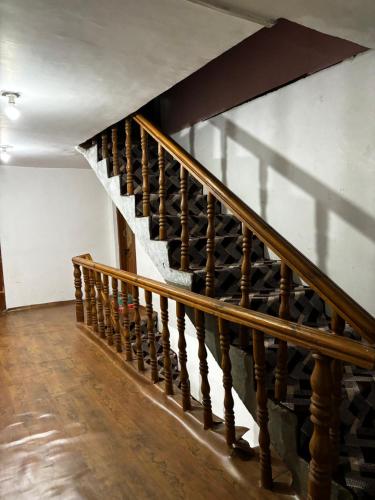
357 453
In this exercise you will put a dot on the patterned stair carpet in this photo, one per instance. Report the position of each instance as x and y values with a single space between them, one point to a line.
357 452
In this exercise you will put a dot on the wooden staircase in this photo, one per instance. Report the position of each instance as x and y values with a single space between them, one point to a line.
227 255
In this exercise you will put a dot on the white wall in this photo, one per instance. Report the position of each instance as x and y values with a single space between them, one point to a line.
304 158
48 215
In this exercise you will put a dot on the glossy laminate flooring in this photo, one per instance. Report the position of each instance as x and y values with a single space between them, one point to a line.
73 425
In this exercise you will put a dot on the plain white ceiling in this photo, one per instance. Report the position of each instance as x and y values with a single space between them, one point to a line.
349 19
84 64
81 65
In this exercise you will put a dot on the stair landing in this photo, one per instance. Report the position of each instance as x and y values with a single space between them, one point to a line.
73 424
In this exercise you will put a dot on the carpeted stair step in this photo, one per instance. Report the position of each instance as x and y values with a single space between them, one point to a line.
228 251
225 225
306 306
197 204
264 275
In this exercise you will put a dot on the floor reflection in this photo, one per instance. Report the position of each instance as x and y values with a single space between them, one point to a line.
39 459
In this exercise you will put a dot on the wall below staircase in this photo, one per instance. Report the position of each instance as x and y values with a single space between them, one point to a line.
48 215
304 158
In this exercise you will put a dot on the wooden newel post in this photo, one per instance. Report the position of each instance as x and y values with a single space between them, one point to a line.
151 337
210 247
107 309
166 346
100 304
319 486
138 330
282 352
115 151
126 322
262 410
94 313
145 175
203 369
182 357
78 294
128 153
226 366
184 259
338 326
116 316
162 193
244 337
104 146
86 278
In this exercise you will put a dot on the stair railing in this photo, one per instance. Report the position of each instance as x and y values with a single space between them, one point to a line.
99 307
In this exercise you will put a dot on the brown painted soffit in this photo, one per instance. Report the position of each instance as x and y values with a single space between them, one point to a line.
265 61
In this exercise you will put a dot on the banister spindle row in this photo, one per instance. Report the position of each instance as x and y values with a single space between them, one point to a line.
100 310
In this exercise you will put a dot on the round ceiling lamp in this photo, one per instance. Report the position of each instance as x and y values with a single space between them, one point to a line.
4 155
11 110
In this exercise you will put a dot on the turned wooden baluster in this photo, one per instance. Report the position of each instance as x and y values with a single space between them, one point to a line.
116 317
107 310
151 337
210 247
86 278
99 301
282 352
338 326
319 485
78 294
226 366
104 146
262 411
125 321
115 151
128 153
184 260
182 357
244 337
162 193
166 346
94 314
137 329
145 175
203 369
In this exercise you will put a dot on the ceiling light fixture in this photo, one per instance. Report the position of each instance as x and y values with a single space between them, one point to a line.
12 112
4 155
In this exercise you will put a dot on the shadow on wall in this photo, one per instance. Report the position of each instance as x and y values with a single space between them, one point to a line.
268 158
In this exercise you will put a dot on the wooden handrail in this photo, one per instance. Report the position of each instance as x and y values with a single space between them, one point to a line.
339 300
313 339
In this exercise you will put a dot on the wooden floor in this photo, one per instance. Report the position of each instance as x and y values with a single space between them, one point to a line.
75 426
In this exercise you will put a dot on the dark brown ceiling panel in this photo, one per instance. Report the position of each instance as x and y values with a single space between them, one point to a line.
267 60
